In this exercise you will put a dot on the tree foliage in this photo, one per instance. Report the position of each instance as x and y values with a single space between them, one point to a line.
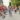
13 2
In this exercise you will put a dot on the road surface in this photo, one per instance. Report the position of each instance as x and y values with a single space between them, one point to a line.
13 17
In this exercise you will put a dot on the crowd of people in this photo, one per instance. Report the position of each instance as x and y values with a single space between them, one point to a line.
10 9
15 9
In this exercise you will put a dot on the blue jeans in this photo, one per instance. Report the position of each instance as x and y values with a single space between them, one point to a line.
10 13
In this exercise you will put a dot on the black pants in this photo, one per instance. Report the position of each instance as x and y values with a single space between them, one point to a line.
15 10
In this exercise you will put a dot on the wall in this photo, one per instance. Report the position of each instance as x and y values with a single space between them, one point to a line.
6 2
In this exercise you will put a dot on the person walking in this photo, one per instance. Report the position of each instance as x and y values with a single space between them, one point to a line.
10 13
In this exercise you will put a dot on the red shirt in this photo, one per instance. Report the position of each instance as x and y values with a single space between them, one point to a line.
3 8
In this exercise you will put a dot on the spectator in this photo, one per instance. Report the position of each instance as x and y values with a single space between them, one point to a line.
10 13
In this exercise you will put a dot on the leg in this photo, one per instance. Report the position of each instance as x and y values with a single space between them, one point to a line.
19 12
15 11
3 17
10 13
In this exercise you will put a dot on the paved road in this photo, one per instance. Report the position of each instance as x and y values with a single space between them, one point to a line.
13 17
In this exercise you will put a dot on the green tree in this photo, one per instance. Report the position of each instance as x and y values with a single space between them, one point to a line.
13 2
